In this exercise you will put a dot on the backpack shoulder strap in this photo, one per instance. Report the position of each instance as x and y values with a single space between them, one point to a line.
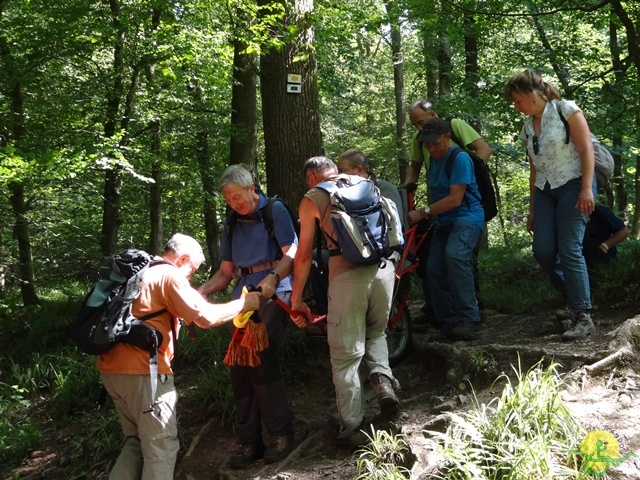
564 122
267 214
454 137
329 187
449 165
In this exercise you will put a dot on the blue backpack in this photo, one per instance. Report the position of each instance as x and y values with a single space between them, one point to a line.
366 225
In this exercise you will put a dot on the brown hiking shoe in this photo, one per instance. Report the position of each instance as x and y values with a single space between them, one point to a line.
246 453
279 447
583 328
387 398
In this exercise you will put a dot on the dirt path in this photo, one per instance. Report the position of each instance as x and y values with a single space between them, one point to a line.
431 378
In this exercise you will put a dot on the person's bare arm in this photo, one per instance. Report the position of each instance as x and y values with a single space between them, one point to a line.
614 239
302 261
283 269
581 136
219 280
481 149
451 201
221 313
412 174
532 192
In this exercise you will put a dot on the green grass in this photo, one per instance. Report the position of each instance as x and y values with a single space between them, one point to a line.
511 281
525 433
39 367
384 458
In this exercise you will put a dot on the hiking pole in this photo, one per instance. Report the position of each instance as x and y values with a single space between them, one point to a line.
315 318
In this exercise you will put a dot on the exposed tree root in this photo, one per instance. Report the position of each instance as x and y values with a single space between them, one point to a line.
609 361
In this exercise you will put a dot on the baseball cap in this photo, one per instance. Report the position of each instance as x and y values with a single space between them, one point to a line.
433 129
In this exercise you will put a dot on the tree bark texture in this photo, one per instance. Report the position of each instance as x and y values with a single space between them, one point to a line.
291 121
243 145
209 187
155 193
19 207
398 87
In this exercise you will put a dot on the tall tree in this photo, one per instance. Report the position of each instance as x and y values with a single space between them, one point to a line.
626 12
13 135
291 121
393 11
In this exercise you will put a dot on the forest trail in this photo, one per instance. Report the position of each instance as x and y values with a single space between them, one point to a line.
434 380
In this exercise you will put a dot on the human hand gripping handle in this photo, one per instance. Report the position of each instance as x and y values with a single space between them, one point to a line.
300 313
251 302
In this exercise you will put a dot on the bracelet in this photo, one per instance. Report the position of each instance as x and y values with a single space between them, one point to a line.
276 276
606 247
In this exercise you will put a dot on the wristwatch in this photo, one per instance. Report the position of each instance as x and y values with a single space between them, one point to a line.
276 276
425 211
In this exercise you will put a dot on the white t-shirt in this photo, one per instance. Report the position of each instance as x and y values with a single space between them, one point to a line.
557 162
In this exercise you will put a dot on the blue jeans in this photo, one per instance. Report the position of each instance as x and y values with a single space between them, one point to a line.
558 230
450 273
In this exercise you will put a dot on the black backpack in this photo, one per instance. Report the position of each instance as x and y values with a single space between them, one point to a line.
105 317
483 179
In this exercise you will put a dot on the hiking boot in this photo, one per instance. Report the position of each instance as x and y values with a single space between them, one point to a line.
465 330
387 398
565 319
583 328
246 454
279 447
356 439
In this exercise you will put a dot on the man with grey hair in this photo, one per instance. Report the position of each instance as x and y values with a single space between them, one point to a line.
359 305
463 134
151 438
257 247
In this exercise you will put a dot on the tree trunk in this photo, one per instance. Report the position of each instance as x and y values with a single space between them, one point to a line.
19 208
470 57
633 45
471 69
445 65
111 218
291 121
25 258
155 193
444 68
243 147
398 84
209 188
558 69
621 200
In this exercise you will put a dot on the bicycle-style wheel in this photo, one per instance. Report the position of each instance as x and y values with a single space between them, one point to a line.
398 333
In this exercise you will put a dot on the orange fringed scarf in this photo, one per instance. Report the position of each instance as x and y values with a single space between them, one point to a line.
249 338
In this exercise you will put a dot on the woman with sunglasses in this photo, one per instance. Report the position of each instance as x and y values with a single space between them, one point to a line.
562 188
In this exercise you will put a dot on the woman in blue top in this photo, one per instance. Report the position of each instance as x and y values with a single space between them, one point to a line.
459 221
562 188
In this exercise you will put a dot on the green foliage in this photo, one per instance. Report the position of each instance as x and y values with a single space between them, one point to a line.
618 283
384 458
213 395
511 280
525 433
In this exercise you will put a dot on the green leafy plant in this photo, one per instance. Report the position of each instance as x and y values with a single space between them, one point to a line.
525 433
384 457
